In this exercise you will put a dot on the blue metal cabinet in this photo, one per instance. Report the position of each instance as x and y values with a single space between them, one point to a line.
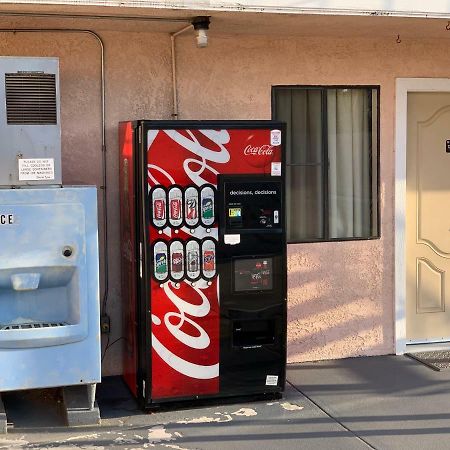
49 288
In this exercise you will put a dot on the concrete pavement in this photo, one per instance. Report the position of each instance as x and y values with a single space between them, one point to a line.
391 402
362 403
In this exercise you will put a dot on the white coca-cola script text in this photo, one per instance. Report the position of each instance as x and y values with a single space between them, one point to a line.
261 150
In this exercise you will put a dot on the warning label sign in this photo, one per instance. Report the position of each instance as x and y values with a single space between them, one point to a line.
37 169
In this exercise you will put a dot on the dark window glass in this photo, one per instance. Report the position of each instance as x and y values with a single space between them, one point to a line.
332 161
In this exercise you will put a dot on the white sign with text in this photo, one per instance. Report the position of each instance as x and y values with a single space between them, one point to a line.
36 169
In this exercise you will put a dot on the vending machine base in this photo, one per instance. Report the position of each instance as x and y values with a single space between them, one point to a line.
80 405
190 402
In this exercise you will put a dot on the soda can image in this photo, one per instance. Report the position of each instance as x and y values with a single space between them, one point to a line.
176 260
160 261
193 261
159 208
191 204
159 199
207 208
175 206
175 209
209 263
208 258
207 201
191 208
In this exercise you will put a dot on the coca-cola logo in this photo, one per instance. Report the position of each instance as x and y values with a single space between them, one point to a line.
175 209
159 209
262 150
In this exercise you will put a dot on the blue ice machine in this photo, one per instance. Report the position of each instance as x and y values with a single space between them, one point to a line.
49 275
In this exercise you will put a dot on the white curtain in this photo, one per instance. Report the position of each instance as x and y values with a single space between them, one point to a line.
301 109
331 176
349 148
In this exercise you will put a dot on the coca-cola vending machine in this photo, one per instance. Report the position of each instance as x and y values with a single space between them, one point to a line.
203 259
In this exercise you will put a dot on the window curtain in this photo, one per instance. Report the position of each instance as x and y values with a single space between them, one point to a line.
332 164
349 156
301 109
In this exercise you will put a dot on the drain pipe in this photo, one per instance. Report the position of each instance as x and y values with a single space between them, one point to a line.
174 70
103 125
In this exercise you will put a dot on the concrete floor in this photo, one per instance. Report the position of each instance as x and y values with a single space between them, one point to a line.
390 402
382 402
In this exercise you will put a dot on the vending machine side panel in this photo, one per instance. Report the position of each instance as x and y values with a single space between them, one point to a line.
144 372
127 180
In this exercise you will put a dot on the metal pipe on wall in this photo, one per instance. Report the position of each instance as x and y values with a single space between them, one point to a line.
174 71
50 15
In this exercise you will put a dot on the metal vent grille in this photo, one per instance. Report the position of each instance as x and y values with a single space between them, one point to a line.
30 98
27 326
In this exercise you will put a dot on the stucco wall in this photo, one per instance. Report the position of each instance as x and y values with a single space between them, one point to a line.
340 294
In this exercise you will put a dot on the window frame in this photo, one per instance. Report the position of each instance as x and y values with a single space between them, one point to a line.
323 89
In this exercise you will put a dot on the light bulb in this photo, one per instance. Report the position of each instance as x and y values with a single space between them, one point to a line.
201 37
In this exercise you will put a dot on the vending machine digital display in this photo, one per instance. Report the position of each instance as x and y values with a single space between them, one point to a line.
203 258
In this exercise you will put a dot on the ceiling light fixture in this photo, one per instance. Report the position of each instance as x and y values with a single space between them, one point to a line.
201 27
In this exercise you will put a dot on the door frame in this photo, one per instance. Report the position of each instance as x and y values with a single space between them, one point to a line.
403 87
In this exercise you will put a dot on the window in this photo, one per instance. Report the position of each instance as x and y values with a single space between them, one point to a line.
332 161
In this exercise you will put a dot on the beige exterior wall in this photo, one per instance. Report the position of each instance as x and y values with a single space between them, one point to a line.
341 295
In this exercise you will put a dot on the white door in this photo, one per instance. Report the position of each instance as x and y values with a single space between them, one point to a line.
428 217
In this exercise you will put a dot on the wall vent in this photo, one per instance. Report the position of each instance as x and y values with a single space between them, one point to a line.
30 98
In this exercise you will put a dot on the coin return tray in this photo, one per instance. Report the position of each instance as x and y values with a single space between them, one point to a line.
28 326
